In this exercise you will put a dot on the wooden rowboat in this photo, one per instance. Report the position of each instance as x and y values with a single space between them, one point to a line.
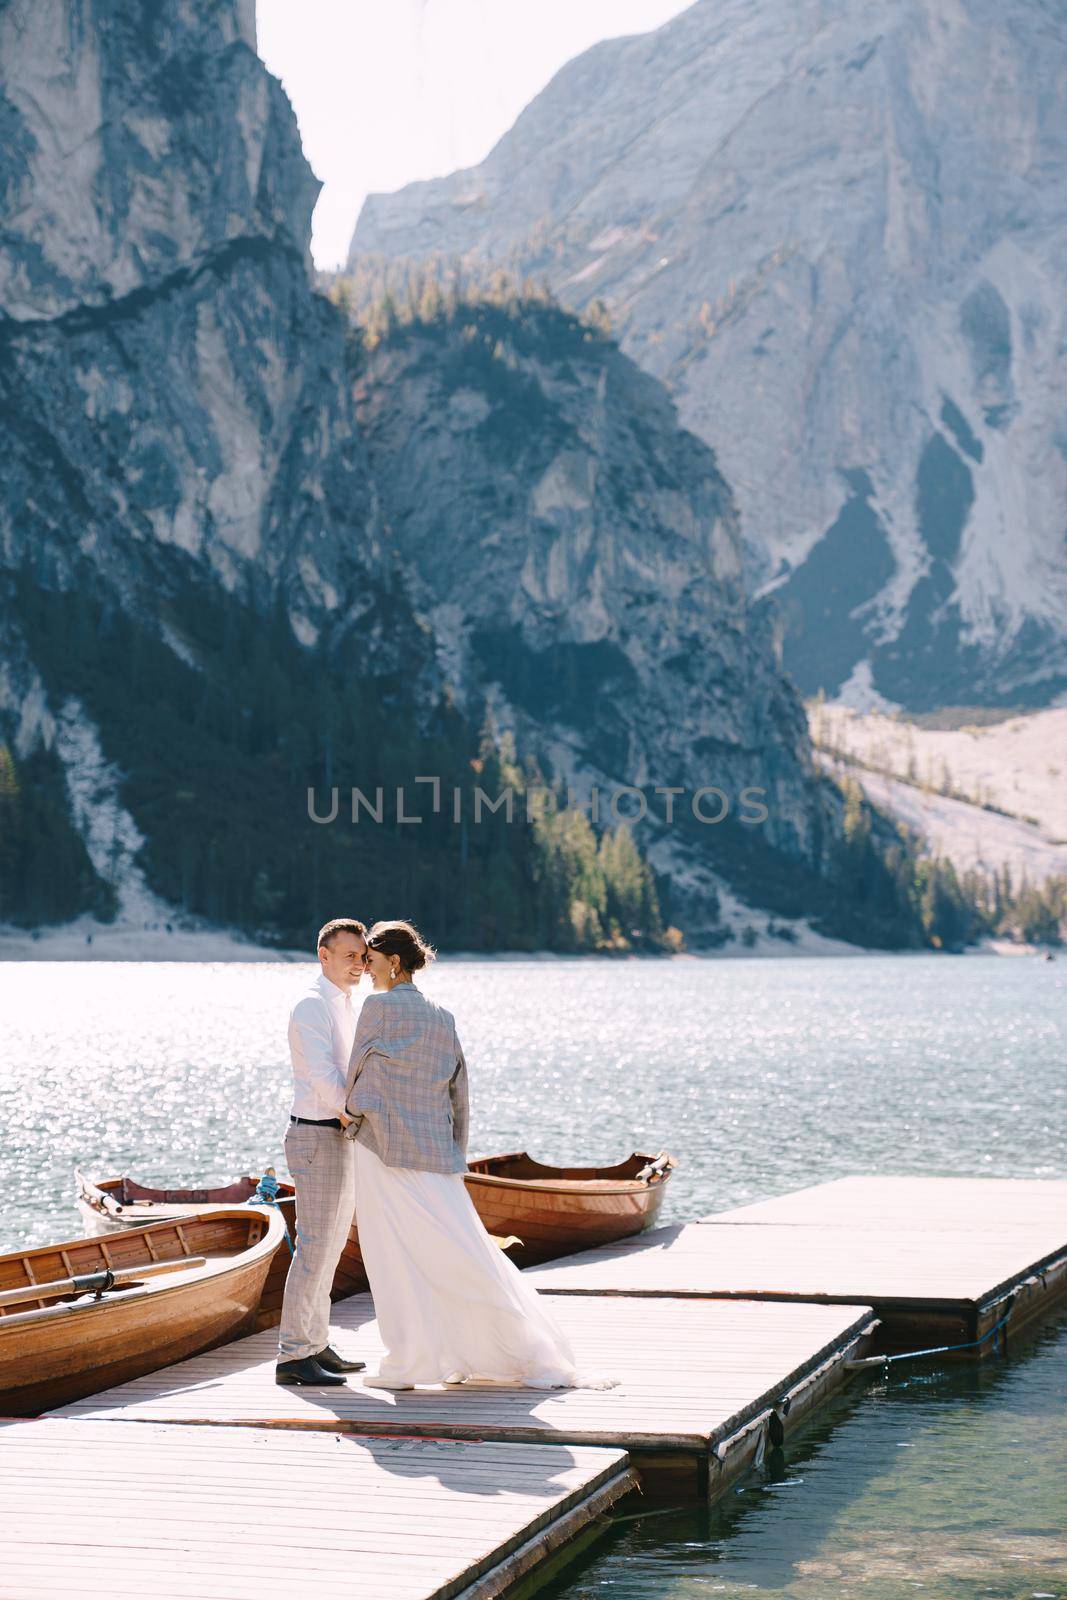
116 1203
121 1203
551 1211
81 1316
556 1211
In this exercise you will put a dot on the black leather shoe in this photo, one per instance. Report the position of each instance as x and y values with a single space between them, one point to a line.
305 1371
332 1362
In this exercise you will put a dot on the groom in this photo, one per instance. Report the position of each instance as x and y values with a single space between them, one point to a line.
321 1160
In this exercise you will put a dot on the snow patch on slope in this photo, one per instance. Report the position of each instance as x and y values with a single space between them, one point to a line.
110 835
1018 764
859 693
967 835
943 782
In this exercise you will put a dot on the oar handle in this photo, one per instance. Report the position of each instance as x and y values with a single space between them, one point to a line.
87 1282
657 1168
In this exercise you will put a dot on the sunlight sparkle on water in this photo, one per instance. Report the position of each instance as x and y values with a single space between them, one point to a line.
760 1076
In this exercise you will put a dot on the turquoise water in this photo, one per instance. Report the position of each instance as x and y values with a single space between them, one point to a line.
761 1076
950 1484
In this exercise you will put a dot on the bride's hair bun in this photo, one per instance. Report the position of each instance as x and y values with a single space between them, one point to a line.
402 940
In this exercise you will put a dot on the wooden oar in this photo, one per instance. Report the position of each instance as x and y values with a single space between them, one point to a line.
98 1282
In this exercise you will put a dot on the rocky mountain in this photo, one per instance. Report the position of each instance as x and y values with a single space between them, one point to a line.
177 432
173 401
248 550
576 555
837 232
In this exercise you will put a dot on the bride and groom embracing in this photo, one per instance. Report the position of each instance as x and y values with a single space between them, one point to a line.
379 1128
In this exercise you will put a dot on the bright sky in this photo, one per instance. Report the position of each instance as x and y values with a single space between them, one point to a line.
387 91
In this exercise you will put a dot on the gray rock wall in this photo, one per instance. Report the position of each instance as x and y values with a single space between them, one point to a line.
838 232
184 417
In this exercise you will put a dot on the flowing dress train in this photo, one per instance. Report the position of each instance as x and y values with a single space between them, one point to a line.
449 1303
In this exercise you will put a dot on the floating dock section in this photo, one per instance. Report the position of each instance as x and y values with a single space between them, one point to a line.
940 1260
701 1383
126 1511
207 1479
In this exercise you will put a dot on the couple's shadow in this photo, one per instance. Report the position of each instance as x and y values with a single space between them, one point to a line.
474 1464
406 1433
421 1450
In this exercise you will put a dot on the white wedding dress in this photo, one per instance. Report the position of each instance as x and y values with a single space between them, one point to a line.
449 1303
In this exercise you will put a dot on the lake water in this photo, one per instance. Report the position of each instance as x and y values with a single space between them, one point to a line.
761 1076
945 1484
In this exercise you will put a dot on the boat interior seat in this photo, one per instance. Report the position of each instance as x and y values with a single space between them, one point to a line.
230 1194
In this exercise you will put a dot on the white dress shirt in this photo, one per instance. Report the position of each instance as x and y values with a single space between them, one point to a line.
322 1026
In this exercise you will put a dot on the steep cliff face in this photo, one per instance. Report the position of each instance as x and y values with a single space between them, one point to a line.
838 232
140 139
241 556
180 452
171 387
578 552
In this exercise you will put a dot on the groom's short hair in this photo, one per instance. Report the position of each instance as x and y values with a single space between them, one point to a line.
329 930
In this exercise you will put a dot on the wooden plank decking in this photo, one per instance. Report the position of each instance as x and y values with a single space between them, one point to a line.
809 1263
934 1254
208 1480
967 1205
693 1373
124 1510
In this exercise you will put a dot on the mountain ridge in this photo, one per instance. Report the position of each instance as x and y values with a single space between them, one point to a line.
852 288
221 507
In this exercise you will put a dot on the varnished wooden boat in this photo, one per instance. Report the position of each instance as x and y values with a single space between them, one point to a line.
117 1203
62 1337
550 1211
120 1202
556 1211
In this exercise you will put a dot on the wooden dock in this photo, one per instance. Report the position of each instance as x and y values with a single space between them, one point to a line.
965 1205
936 1258
206 1478
117 1511
698 1378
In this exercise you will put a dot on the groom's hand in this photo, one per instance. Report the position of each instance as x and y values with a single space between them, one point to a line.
343 1118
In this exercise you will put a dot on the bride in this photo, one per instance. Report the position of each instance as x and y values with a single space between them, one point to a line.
450 1305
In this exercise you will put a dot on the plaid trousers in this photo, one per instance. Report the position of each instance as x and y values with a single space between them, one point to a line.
322 1165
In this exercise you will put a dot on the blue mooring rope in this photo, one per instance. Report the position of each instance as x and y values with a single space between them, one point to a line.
942 1349
267 1195
871 1361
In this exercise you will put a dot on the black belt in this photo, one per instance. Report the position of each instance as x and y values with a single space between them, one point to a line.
317 1122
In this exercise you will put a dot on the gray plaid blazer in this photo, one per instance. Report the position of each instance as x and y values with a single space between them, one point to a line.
407 1083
